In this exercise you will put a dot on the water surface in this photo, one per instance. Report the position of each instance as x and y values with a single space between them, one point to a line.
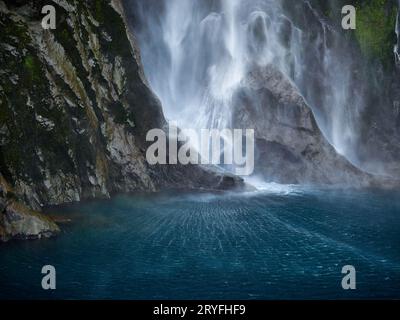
279 243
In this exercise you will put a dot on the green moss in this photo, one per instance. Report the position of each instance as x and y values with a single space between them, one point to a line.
99 10
376 21
33 68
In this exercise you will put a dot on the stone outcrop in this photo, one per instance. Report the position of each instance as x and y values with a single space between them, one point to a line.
290 148
17 221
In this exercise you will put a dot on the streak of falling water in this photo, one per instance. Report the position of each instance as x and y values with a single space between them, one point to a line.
196 53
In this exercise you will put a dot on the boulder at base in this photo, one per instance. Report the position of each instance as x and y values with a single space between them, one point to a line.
290 148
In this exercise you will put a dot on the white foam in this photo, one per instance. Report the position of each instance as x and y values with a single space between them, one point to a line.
272 187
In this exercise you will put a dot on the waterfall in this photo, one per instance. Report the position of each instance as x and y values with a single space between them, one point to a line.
397 31
196 53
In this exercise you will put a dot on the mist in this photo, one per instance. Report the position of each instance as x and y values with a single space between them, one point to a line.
197 53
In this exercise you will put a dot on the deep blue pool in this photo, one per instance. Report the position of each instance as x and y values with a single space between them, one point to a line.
280 243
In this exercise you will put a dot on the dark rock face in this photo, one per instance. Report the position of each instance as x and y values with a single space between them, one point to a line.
290 147
75 111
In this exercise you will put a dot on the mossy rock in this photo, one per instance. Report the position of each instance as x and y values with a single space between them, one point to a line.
376 22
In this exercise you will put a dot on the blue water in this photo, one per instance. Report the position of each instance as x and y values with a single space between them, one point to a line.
279 243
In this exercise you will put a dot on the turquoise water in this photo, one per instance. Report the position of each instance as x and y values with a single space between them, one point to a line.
280 243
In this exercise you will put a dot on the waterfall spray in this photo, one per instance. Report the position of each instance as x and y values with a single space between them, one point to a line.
196 54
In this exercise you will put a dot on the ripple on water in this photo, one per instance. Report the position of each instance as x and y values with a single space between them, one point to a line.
278 243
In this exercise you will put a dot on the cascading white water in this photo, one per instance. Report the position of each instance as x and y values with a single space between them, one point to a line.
338 98
196 53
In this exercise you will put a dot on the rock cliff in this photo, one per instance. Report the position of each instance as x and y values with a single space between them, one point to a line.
74 112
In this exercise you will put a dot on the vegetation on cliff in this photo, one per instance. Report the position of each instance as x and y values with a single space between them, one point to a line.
376 22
